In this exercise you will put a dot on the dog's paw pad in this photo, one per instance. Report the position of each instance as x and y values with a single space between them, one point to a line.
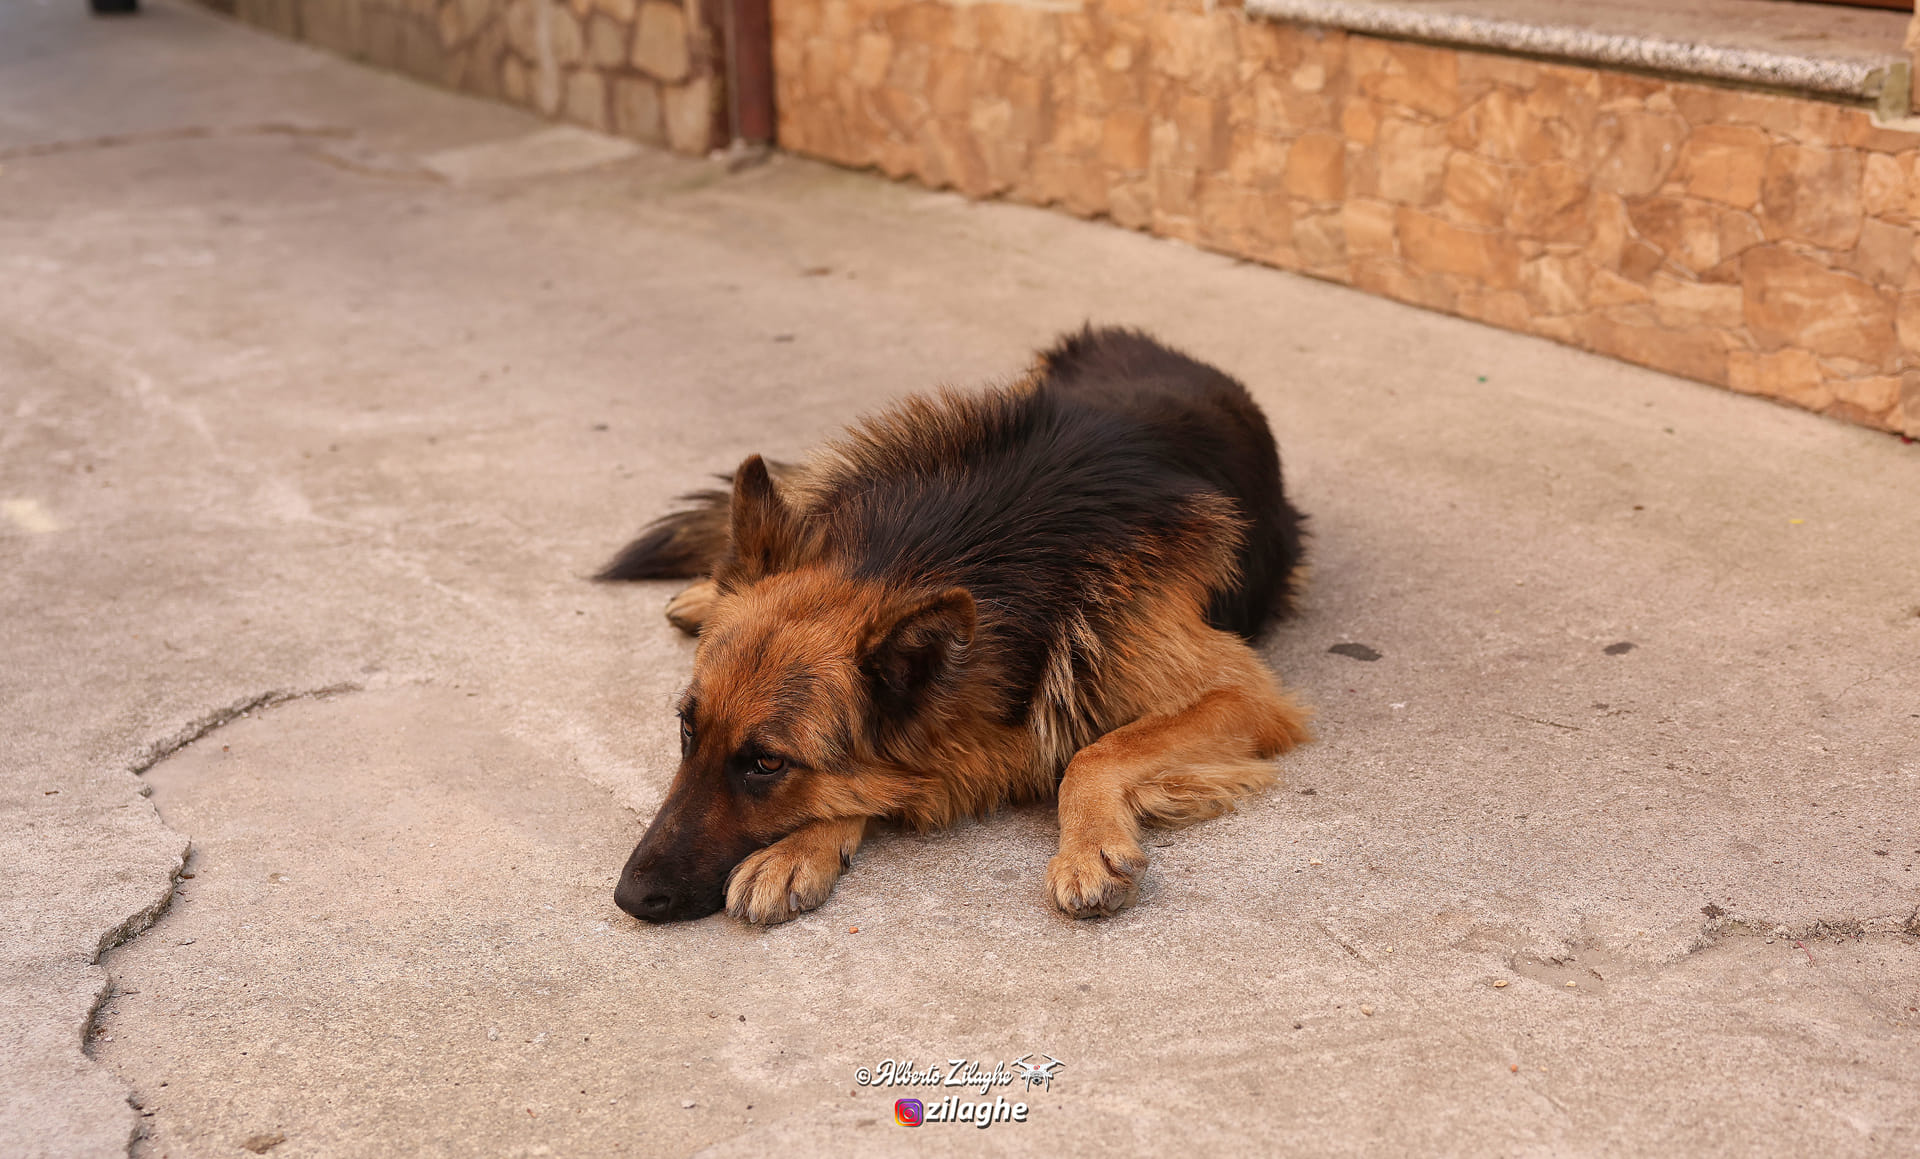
1098 881
775 885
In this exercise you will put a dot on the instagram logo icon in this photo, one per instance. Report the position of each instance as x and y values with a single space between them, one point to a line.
908 1112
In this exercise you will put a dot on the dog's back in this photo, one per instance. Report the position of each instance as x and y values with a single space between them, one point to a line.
1114 440
1212 430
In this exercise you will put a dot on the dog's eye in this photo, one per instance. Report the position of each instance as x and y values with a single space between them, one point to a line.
770 765
686 729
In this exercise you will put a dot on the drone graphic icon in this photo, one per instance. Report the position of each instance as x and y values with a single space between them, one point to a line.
1038 1074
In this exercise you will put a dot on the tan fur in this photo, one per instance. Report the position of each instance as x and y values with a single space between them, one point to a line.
795 873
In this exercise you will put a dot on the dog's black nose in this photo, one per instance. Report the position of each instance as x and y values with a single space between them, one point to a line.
644 898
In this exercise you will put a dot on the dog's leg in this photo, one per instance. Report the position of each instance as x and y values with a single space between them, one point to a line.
688 610
795 873
1174 768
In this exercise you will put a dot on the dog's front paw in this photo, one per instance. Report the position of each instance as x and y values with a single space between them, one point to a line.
1096 880
781 882
688 610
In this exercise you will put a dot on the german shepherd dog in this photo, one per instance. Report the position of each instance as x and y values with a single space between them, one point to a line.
1045 589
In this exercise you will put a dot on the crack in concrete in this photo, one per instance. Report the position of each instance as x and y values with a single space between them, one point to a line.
1818 930
161 136
160 750
143 919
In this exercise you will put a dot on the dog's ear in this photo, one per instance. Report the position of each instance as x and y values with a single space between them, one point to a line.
914 644
762 527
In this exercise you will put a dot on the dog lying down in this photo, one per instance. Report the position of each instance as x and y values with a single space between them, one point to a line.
1044 589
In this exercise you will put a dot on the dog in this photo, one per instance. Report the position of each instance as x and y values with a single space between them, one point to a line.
1043 590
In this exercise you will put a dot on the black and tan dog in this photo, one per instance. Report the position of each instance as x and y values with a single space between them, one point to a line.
1043 589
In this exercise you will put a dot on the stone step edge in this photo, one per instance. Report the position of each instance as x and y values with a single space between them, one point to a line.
1884 82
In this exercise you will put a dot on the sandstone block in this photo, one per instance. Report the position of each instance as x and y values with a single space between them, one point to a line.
1640 259
1412 159
1908 415
1125 140
1611 228
1883 254
1360 121
522 19
838 20
1788 374
474 13
1606 288
1501 126
1567 101
1369 227
1130 203
1437 247
688 111
950 79
1709 105
1024 37
621 12
903 110
660 43
586 99
1076 132
1507 309
1198 48
1725 163
1475 190
909 68
1173 193
1886 186
1794 301
606 41
1190 136
1812 195
513 80
1321 241
1556 284
1414 76
1637 151
1681 303
448 24
1256 159
1907 325
1680 228
565 37
1736 231
636 110
1550 204
913 23
1316 168
1697 354
1876 397
871 55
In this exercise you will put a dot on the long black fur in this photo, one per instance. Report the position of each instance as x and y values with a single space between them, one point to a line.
1207 426
1104 457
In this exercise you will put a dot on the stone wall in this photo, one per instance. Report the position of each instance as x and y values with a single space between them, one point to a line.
647 69
1756 241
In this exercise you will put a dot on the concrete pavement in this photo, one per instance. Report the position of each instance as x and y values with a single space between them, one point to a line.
320 392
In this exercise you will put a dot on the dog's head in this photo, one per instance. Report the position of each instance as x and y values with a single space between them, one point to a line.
806 681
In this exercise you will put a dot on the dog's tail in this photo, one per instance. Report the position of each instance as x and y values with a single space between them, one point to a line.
680 545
